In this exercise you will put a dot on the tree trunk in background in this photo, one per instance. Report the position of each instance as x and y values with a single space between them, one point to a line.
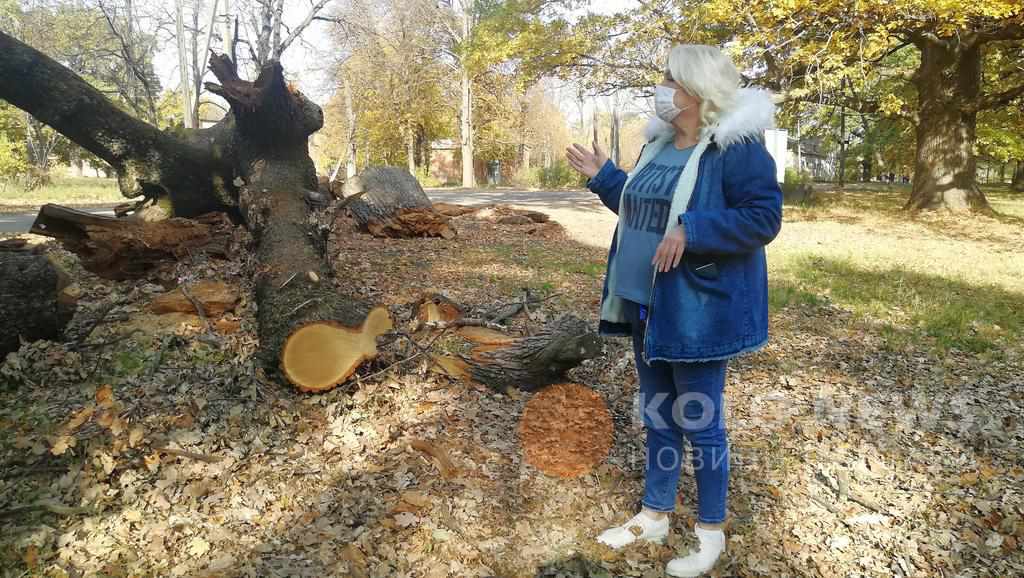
466 132
350 117
186 98
76 161
410 150
1018 177
616 136
945 165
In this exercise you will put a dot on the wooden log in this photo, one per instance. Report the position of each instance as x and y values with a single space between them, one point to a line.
527 363
412 223
120 249
36 299
214 297
391 203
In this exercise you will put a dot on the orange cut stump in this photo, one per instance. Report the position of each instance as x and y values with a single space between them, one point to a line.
565 430
320 355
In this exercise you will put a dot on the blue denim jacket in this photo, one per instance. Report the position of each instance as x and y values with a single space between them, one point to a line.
714 305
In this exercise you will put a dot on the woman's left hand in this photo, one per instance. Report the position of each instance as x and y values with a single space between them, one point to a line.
670 250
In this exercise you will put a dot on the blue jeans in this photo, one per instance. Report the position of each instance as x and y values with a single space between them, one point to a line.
680 400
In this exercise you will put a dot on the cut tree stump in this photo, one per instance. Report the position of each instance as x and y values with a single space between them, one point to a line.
530 362
322 354
118 249
566 430
391 203
37 298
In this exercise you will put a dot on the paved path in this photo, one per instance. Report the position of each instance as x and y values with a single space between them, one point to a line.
580 212
16 223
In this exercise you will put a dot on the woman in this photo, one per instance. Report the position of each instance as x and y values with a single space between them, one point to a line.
687 278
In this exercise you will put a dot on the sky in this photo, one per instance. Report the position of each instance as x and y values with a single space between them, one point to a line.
307 62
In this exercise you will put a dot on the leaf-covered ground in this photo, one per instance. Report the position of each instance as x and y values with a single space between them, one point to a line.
141 448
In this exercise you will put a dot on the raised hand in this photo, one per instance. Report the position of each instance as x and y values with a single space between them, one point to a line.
584 161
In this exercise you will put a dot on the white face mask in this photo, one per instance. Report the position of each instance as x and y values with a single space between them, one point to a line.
664 103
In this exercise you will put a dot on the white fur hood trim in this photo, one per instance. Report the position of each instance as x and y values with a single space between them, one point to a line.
753 113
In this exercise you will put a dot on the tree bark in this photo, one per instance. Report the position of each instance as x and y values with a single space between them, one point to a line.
948 83
274 123
389 202
350 116
260 151
1018 177
195 171
410 150
466 132
33 303
530 362
121 249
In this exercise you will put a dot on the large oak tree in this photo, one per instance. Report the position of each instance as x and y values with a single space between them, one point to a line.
253 165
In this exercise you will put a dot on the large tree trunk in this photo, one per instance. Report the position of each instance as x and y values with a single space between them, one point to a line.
350 117
195 172
33 301
256 158
1018 177
293 287
466 126
948 83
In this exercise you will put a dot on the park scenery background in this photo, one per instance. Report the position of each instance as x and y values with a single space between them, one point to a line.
175 211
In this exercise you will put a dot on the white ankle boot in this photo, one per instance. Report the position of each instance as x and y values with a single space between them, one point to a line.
639 527
712 544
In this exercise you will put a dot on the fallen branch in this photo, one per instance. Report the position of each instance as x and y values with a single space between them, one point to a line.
191 455
52 507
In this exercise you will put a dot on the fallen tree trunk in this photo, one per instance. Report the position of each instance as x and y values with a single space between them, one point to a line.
119 249
294 288
36 300
192 171
389 202
254 165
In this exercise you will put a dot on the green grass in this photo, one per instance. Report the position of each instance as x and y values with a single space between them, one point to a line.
952 313
63 190
1005 201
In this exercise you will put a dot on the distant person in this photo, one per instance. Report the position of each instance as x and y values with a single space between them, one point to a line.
687 278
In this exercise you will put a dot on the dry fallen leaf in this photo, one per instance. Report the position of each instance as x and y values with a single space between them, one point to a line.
135 436
31 557
197 547
405 519
61 445
78 419
105 396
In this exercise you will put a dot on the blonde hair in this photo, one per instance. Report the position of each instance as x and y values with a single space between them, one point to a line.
707 73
